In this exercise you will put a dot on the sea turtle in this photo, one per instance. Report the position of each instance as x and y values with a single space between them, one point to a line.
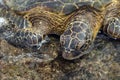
76 21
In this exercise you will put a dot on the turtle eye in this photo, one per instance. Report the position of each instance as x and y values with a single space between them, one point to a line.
26 17
77 47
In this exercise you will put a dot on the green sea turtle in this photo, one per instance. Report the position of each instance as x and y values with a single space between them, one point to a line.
76 21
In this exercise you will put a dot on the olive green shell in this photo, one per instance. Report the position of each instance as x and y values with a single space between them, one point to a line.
58 6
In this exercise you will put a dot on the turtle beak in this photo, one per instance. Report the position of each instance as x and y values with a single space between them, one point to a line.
70 55
67 56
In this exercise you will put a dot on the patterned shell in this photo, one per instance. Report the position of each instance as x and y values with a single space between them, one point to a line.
57 6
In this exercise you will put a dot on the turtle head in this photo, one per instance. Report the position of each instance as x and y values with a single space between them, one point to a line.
5 28
76 40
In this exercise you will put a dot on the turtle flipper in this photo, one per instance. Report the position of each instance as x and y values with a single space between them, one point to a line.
112 28
26 39
111 25
81 32
13 28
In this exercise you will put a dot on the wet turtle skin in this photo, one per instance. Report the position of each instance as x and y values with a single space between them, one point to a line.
111 25
77 21
81 33
15 30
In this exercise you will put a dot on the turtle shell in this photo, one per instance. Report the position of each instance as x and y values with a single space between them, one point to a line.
58 6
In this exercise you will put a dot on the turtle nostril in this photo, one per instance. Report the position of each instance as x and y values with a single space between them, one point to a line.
67 50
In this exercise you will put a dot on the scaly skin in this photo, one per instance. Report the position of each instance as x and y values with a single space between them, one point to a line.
16 33
19 37
77 21
81 32
111 25
46 22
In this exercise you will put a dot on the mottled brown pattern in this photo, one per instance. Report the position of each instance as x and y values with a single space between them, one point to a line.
39 18
111 25
90 23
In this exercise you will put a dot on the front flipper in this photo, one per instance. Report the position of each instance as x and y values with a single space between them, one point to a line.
81 32
26 39
111 24
112 28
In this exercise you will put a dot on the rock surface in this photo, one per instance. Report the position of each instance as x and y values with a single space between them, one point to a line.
102 63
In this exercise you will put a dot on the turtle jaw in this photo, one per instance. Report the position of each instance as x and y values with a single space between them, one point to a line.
71 55
67 56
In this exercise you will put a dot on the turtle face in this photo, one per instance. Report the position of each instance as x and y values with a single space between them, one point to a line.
76 40
71 47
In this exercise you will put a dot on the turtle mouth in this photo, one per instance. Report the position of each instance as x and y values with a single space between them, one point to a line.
71 55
